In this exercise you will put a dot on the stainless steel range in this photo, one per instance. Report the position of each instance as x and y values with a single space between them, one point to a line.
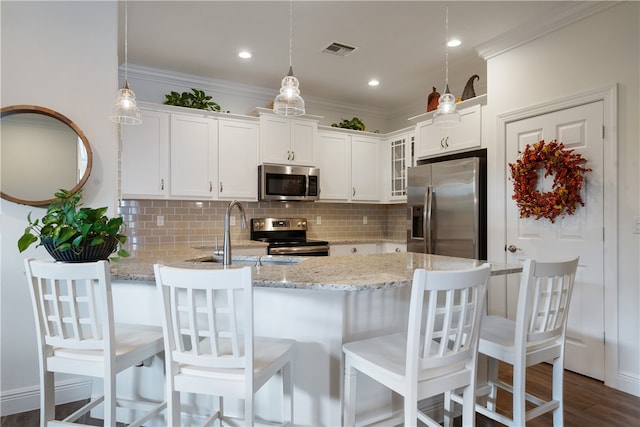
287 236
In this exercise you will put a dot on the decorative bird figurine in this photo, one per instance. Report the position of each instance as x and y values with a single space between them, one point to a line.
432 100
468 91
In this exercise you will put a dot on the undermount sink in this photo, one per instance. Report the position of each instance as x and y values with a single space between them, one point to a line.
252 260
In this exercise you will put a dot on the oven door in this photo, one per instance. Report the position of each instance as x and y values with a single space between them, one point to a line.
314 250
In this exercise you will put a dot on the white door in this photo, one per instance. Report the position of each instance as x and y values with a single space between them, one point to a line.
579 128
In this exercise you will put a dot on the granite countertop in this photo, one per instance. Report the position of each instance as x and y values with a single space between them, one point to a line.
346 273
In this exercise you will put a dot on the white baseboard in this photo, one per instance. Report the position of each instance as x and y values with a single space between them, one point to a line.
28 399
629 382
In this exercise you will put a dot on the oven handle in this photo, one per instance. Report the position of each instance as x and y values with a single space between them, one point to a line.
298 249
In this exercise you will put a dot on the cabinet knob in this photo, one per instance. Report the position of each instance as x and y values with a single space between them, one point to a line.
354 250
398 250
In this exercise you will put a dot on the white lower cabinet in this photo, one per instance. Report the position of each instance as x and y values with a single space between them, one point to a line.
366 248
354 249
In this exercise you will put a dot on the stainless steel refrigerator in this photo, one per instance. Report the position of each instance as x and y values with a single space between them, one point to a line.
447 208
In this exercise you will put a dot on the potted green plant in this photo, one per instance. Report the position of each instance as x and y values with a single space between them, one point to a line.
196 99
73 233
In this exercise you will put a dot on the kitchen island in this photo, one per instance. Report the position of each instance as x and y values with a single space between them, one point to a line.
321 302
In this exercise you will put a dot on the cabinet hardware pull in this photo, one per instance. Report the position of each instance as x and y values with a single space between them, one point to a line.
162 184
210 186
441 142
221 186
288 155
446 142
293 155
354 191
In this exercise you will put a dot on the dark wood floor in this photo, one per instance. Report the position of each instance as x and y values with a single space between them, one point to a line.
588 403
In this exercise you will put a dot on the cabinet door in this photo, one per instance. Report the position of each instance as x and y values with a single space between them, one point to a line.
275 139
431 140
238 165
365 169
399 158
194 147
145 157
334 152
303 134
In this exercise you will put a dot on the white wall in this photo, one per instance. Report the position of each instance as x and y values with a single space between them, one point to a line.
569 62
60 55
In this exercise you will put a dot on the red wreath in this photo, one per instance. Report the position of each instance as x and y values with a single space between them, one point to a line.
567 169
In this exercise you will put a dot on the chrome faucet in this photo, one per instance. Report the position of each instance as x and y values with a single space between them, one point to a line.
226 258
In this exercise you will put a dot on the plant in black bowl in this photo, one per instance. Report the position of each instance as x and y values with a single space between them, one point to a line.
73 233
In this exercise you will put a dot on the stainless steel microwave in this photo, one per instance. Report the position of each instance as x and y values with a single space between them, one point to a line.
284 183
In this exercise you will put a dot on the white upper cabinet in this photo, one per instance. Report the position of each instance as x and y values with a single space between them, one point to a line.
145 157
194 150
334 160
287 141
365 169
435 141
238 160
396 158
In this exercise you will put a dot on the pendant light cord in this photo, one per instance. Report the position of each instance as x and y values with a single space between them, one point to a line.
290 33
126 37
446 48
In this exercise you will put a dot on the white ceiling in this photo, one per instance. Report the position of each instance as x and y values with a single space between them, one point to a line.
400 43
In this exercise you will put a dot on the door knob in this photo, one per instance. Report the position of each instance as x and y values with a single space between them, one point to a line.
512 248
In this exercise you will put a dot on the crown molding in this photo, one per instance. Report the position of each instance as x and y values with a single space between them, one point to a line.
573 12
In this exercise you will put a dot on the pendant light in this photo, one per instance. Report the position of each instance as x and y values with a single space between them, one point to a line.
446 115
125 111
289 102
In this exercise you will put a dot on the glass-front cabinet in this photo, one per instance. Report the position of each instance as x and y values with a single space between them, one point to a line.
399 148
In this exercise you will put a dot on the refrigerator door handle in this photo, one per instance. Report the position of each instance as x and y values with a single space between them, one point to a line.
427 219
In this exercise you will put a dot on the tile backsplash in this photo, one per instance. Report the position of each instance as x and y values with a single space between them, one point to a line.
153 223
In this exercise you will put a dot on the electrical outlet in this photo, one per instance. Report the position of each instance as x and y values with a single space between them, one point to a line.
232 220
318 220
365 219
160 220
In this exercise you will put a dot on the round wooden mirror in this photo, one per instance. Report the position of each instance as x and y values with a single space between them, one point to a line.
42 151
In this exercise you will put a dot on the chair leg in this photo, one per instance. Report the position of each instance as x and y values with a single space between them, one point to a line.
248 408
109 383
410 410
557 390
47 397
449 406
519 396
287 394
492 378
468 405
220 410
349 415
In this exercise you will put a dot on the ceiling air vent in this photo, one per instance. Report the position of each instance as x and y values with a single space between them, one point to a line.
339 49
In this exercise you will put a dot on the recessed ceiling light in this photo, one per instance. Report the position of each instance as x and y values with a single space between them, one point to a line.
454 43
374 82
244 54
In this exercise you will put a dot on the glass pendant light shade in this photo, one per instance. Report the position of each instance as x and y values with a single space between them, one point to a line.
289 102
125 110
446 115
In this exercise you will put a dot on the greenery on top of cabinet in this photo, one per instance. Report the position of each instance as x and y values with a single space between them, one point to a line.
355 124
196 99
